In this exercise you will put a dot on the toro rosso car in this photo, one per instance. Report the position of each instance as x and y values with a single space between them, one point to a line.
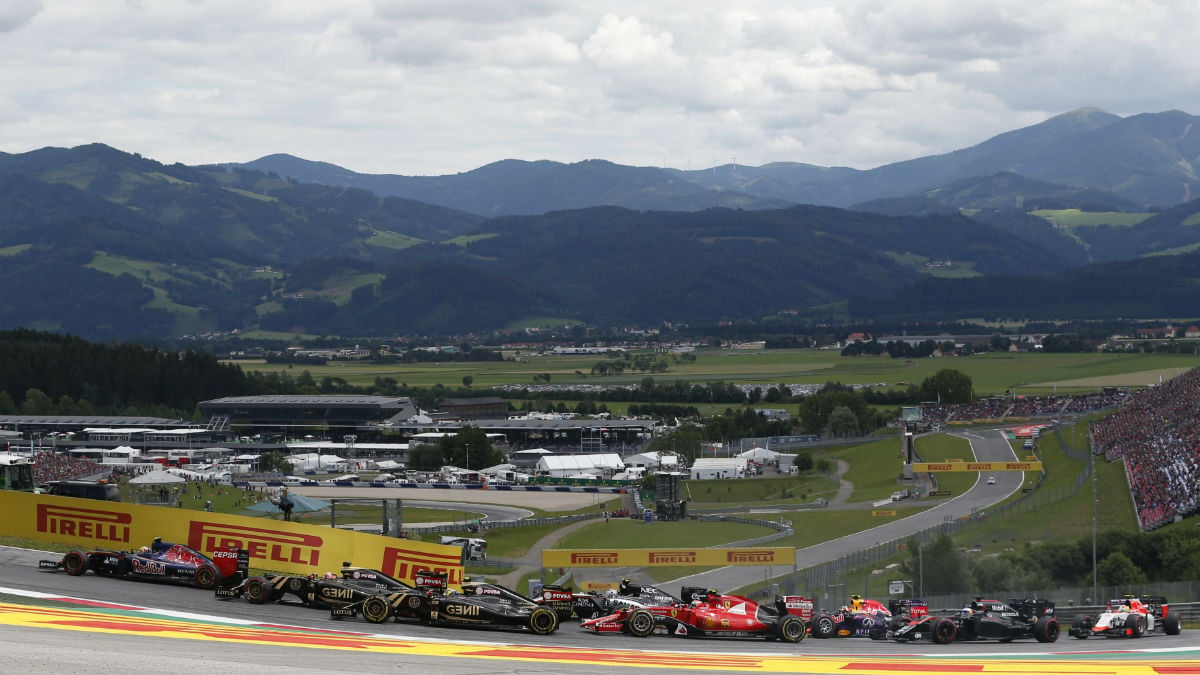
858 619
1130 616
714 615
984 620
160 561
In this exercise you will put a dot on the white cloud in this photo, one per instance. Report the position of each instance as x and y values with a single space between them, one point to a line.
427 87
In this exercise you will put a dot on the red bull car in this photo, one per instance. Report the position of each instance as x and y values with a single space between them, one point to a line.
1130 616
714 615
858 619
160 561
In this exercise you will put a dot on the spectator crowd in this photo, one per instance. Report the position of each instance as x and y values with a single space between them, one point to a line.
1157 433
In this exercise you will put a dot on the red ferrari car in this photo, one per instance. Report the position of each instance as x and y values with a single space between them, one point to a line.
713 615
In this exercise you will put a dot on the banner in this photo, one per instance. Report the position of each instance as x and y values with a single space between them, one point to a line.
274 545
923 467
663 557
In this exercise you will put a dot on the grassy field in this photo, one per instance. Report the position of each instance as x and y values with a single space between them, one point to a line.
991 374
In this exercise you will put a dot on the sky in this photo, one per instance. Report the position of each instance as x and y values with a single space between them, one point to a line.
435 87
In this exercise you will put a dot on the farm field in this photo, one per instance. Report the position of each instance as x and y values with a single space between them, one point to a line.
991 374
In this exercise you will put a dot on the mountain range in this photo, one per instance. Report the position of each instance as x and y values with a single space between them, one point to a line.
108 244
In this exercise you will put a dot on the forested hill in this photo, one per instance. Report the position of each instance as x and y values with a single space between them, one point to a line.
45 373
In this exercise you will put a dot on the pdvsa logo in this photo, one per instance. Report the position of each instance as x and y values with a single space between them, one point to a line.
71 521
272 545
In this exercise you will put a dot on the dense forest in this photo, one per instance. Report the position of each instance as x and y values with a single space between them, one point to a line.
47 373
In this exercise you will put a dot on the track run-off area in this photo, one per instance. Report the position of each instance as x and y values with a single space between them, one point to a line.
180 634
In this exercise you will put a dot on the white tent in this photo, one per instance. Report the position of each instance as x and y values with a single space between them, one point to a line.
313 461
156 478
566 465
759 455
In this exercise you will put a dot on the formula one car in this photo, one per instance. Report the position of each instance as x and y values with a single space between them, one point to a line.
858 619
482 605
713 616
356 590
593 605
1130 616
984 620
160 561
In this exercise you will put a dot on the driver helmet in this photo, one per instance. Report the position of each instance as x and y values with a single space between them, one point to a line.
330 575
144 549
311 577
856 602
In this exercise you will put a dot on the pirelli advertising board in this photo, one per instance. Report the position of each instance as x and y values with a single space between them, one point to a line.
922 467
274 545
662 557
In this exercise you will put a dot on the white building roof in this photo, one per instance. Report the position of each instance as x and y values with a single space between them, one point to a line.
580 462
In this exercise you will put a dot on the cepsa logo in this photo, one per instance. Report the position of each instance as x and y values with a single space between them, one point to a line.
70 521
272 545
750 557
405 564
595 558
672 558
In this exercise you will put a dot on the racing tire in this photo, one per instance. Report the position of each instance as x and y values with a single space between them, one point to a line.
944 631
1081 628
542 621
1171 623
75 563
1135 624
823 627
376 609
640 623
1046 629
206 577
257 591
790 629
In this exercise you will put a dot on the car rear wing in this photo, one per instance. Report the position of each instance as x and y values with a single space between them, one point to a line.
233 563
1034 608
911 606
798 605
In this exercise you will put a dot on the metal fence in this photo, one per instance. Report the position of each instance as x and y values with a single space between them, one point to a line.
467 525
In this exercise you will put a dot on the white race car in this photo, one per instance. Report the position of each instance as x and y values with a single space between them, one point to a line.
1130 616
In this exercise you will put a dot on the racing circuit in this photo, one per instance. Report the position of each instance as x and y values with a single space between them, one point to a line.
54 623
49 628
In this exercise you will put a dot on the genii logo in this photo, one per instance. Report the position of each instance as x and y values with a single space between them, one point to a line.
264 544
71 521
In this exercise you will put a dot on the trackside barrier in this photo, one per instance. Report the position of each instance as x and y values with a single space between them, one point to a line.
294 548
587 489
502 524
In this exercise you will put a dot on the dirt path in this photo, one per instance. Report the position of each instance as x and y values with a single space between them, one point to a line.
531 563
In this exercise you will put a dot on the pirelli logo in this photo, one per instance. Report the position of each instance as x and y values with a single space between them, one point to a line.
941 467
744 557
673 558
263 544
595 558
72 521
405 564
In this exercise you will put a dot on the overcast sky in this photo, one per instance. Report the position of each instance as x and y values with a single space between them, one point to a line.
428 87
